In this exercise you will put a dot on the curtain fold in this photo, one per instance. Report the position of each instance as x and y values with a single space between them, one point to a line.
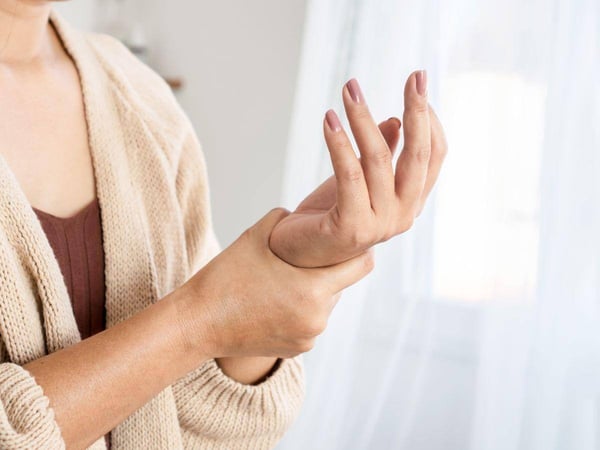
480 327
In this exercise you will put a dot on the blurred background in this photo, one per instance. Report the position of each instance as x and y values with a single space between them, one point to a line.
237 63
479 328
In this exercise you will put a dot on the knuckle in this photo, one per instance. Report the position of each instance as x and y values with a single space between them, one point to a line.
381 157
418 107
352 174
387 235
369 261
321 325
421 154
360 237
405 223
309 329
387 227
315 327
305 345
311 299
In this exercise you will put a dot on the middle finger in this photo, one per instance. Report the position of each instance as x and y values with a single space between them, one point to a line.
376 158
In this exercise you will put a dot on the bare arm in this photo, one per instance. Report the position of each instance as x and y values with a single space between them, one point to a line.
254 369
245 303
424 134
97 383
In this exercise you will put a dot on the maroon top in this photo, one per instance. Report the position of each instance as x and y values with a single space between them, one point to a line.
77 245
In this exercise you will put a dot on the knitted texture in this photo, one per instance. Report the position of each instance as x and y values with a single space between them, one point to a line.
152 187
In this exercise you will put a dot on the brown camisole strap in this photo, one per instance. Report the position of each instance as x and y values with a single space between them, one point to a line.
77 245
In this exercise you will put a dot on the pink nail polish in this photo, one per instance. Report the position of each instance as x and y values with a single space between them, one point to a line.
333 121
421 77
355 91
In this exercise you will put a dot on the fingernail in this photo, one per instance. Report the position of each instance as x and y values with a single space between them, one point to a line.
333 121
354 90
421 82
395 119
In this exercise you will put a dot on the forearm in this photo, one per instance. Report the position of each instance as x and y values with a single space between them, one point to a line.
96 384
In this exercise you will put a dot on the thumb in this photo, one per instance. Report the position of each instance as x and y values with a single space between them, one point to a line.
345 274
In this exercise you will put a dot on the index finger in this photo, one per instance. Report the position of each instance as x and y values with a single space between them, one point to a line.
352 194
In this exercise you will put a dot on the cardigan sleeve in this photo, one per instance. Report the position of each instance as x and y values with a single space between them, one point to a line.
26 418
214 410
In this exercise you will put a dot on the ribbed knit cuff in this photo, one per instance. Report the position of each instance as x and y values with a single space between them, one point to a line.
26 418
213 407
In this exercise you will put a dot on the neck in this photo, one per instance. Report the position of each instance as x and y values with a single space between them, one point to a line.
25 34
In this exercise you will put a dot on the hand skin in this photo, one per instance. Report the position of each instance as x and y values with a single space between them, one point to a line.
304 238
245 303
88 373
365 202
269 307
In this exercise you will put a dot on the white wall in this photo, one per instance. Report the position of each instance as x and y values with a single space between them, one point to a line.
78 12
239 60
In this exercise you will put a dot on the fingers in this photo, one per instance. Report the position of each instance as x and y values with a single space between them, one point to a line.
390 129
413 162
324 197
375 155
352 194
347 273
439 148
396 199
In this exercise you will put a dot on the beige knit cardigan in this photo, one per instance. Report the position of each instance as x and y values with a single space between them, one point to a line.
152 188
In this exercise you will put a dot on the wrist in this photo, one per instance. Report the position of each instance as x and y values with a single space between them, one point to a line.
194 328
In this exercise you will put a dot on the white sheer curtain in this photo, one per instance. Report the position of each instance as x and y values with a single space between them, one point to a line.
479 328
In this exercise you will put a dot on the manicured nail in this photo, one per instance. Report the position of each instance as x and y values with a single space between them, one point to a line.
354 90
421 82
395 119
333 121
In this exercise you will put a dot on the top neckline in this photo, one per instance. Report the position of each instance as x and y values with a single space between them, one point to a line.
81 212
105 76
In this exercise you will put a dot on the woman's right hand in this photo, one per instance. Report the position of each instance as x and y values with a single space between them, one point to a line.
249 302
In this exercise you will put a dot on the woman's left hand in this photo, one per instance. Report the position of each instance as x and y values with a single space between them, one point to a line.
366 202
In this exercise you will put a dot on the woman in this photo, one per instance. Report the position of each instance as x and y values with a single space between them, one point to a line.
104 204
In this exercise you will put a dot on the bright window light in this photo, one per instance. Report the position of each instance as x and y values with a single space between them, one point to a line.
486 215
